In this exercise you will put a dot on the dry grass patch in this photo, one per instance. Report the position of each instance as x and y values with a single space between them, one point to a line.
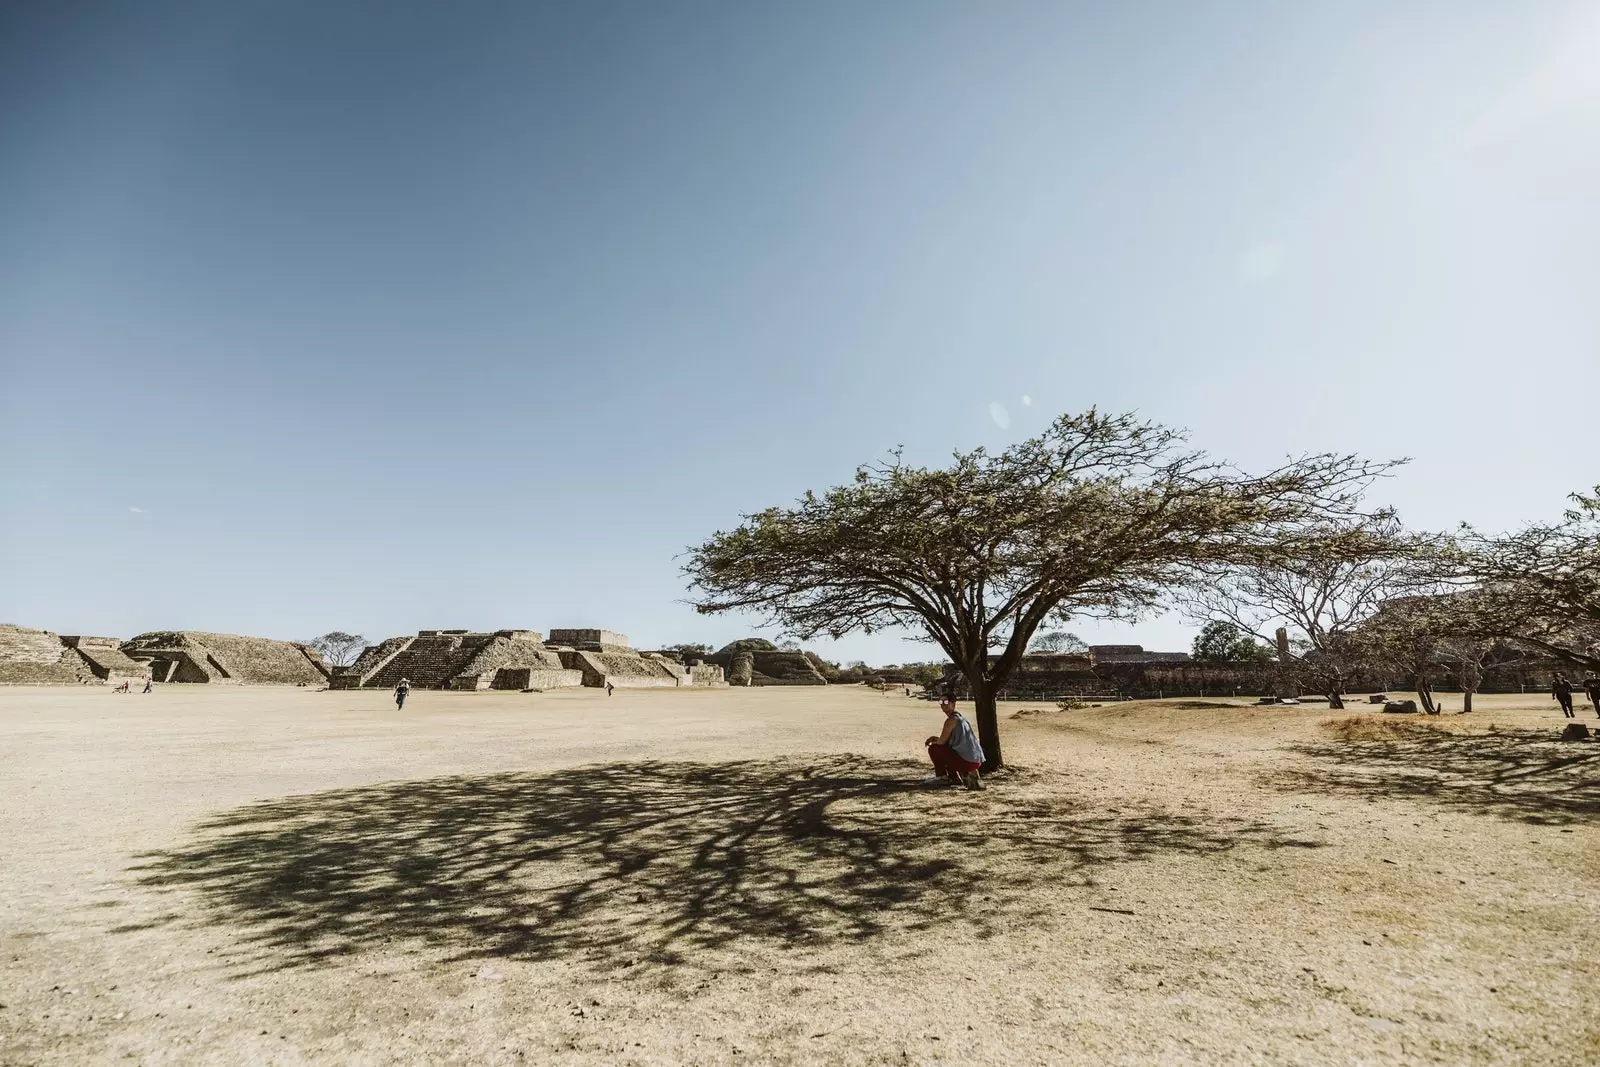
1371 728
1390 727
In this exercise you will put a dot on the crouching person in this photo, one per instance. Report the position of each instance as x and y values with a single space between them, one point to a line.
956 753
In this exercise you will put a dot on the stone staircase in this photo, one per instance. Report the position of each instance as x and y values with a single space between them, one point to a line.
37 657
429 662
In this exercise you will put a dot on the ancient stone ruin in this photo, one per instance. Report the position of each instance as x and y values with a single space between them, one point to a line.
517 659
742 668
1102 670
39 657
191 656
459 659
106 660
768 664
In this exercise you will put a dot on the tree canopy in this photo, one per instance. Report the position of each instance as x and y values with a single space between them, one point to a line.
1058 641
1100 515
1222 642
1339 576
337 648
1538 586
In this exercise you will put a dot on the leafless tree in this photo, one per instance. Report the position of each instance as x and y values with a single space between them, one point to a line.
1421 636
1341 576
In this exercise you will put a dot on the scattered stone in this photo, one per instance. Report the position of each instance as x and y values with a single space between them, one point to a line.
1400 707
1576 731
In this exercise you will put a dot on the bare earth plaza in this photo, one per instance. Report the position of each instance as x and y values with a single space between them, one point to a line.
232 874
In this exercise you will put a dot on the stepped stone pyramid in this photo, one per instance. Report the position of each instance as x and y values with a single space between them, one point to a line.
193 656
39 657
769 665
515 659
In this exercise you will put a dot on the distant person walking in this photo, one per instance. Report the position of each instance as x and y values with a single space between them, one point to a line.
1592 687
1561 689
149 684
609 687
955 752
402 691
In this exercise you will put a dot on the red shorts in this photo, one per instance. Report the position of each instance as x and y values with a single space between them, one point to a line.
946 761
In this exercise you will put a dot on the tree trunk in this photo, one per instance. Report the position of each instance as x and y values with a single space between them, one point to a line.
1336 700
983 700
1466 701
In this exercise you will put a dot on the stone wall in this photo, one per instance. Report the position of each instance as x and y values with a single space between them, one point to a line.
624 670
707 674
590 640
526 678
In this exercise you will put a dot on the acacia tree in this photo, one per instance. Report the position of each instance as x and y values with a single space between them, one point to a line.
1341 575
1223 643
337 648
1538 586
1059 641
1101 515
1421 636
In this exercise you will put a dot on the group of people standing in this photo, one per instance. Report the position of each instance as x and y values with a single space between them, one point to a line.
1561 689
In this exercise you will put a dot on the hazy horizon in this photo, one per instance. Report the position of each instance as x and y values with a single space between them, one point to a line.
389 317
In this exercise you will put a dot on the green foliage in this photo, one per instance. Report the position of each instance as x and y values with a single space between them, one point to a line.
337 648
1421 637
1058 641
1538 586
1099 515
1224 643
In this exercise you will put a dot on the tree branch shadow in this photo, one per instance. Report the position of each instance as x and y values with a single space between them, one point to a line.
1514 775
640 862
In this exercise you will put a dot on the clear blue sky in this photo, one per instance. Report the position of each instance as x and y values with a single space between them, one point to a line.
383 315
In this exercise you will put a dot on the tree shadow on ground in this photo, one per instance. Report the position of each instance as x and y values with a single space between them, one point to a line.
1513 775
637 862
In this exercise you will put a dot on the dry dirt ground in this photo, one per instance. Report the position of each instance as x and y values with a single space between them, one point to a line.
215 875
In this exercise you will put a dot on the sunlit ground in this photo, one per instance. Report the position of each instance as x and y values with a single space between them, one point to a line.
237 875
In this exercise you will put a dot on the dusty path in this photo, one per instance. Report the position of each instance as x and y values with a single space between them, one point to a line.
237 876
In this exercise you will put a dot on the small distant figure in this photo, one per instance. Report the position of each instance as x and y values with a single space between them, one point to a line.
149 684
1561 689
955 752
1591 687
402 691
609 687
127 687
